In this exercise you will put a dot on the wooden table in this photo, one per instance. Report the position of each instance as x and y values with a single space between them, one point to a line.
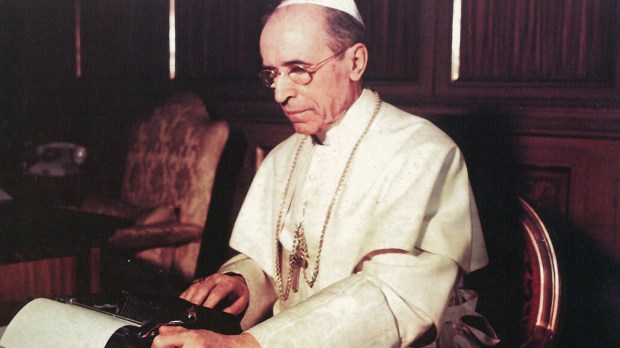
47 251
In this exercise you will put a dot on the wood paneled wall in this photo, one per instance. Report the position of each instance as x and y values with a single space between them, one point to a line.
535 104
563 51
550 41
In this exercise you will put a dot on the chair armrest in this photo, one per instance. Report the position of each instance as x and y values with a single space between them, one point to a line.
164 234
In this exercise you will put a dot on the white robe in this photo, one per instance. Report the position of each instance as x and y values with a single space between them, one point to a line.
403 224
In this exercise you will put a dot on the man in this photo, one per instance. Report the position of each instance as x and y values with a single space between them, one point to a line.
357 227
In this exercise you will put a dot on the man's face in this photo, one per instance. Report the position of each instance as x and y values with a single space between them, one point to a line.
295 35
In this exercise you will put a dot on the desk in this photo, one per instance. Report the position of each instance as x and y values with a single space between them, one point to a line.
47 250
66 190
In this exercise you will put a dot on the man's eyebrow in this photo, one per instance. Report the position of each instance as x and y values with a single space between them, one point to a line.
296 62
289 63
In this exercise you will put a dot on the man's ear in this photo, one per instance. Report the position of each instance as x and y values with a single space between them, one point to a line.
359 61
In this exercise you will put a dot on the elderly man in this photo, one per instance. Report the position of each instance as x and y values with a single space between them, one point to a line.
357 227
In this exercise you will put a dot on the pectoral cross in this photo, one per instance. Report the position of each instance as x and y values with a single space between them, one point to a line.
298 257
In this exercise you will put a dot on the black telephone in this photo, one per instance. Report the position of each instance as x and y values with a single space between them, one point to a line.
58 159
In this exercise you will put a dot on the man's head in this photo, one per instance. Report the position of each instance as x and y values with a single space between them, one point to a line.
326 42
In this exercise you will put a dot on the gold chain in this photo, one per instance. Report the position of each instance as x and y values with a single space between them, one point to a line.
283 291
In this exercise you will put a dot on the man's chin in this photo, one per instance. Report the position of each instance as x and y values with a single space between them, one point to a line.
302 129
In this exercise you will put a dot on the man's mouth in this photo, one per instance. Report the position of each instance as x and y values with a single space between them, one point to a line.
294 114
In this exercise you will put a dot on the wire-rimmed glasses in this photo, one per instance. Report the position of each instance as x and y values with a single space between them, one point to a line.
298 73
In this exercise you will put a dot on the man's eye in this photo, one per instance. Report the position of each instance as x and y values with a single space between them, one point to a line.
298 70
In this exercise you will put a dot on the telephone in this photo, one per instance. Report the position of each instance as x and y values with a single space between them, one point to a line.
58 159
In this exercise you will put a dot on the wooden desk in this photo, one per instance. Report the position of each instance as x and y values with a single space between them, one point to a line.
45 251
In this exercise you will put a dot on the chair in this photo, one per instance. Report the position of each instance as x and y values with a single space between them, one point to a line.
520 289
170 169
541 280
232 181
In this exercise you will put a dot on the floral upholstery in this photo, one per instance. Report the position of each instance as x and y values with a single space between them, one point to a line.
170 169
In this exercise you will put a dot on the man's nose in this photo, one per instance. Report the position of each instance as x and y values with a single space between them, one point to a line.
283 88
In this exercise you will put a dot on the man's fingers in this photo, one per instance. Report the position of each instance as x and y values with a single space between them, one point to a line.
219 293
197 293
211 291
237 307
171 329
169 337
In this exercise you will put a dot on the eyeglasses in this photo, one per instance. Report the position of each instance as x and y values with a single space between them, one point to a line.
298 73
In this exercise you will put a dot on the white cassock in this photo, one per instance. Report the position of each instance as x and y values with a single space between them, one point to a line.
403 224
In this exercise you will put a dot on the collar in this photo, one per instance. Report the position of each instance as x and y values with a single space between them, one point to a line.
352 124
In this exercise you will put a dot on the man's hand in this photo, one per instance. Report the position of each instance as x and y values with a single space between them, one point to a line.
174 336
217 287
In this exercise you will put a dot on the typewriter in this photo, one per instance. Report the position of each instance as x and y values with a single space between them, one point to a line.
139 317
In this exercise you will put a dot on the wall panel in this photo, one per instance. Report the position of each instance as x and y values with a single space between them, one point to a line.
535 49
585 173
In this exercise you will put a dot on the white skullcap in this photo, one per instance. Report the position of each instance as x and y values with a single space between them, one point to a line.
347 6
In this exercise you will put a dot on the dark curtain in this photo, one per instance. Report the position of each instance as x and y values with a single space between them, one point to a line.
45 38
125 39
36 47
553 40
218 39
393 34
9 85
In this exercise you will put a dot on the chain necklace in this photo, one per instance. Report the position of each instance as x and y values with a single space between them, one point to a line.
298 257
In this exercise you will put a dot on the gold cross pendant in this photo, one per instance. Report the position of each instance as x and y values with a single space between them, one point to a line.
298 258
298 262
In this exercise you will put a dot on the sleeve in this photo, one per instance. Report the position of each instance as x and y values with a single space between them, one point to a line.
262 293
375 307
427 203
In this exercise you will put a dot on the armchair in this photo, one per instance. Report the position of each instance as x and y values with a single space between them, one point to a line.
170 168
542 281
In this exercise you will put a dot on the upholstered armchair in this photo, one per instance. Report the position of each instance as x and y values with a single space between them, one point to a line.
170 168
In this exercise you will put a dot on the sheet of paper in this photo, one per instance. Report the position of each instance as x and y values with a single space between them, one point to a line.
47 323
